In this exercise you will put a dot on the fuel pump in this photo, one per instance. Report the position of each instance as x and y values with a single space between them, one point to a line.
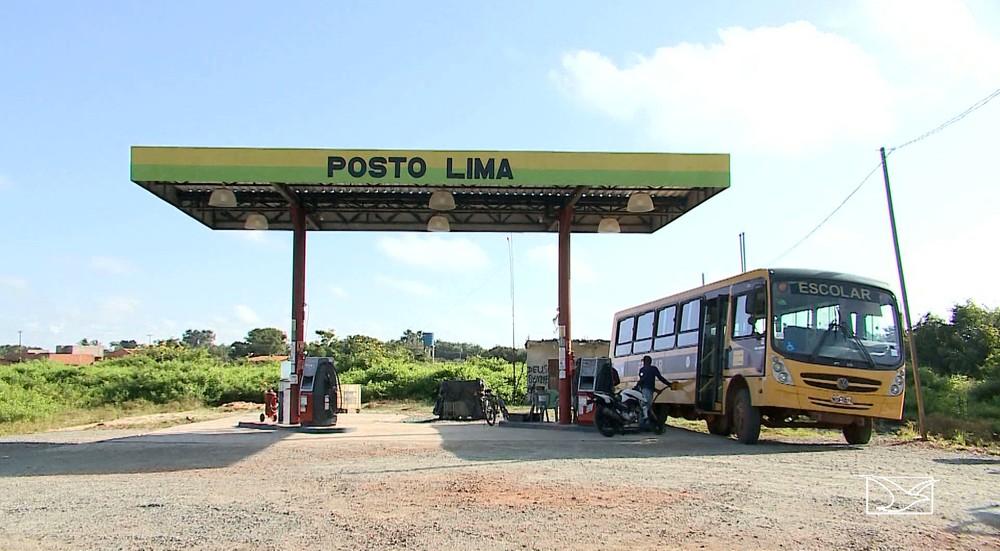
319 393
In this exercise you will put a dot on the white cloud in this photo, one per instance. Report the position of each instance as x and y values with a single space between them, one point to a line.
773 89
407 286
442 253
338 292
111 265
119 305
13 283
942 35
547 256
246 314
56 329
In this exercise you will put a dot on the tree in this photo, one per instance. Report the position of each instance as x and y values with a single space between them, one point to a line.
89 342
962 347
267 341
445 350
507 353
239 349
325 345
124 345
414 342
198 338
169 343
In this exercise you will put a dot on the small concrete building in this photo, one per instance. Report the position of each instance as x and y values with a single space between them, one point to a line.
543 359
96 350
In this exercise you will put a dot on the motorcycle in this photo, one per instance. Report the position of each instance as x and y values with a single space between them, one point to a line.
623 411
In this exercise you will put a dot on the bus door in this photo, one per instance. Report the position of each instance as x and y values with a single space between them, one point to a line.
712 353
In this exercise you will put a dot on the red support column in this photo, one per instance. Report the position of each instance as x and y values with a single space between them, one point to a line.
297 336
565 338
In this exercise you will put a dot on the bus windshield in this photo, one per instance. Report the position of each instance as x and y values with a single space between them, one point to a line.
836 323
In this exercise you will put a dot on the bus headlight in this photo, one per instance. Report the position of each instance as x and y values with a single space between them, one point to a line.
780 372
898 383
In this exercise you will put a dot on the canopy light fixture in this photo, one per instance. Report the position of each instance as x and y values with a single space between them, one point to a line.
438 223
608 225
222 197
255 221
640 201
442 200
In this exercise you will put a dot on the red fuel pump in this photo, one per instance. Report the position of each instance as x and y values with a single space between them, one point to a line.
319 393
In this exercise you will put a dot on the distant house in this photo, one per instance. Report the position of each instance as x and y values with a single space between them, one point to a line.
65 359
543 359
31 353
71 359
97 351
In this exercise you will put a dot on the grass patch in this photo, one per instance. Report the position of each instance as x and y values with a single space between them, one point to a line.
40 395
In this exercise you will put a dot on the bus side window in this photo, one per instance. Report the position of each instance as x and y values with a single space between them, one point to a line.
666 325
749 317
623 342
690 322
742 316
643 333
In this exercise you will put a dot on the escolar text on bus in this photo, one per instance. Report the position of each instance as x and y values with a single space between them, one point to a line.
831 290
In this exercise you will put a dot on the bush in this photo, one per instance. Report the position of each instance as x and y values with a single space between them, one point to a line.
411 380
161 375
956 406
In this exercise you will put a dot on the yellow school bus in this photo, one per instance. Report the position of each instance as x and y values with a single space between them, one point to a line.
778 348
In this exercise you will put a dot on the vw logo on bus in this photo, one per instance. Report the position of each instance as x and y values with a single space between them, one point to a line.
843 383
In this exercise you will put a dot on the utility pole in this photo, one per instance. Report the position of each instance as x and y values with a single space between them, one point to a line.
513 339
743 252
150 337
906 303
18 340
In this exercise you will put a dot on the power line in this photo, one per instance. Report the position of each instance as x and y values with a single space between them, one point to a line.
971 109
974 107
828 216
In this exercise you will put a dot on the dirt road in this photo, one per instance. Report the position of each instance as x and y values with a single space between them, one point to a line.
381 483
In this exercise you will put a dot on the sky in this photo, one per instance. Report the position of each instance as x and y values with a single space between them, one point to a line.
802 95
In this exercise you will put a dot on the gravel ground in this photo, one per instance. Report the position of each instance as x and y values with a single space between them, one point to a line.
380 483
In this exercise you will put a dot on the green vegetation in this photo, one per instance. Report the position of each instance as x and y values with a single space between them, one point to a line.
959 374
36 390
174 375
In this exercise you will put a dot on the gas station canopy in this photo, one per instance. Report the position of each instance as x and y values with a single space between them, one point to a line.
391 190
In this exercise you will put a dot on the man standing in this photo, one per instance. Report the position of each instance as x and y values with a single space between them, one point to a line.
648 374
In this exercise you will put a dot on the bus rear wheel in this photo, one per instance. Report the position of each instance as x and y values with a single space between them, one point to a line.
746 418
859 433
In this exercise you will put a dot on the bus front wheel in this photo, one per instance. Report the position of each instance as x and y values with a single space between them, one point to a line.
746 418
859 433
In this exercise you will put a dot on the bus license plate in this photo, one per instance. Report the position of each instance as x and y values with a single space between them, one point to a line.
842 400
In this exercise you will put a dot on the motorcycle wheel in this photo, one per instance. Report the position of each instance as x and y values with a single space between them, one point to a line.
604 424
491 414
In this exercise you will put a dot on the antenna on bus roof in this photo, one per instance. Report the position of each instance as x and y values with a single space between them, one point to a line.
743 252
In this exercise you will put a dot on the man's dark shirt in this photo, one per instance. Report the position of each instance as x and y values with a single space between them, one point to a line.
648 376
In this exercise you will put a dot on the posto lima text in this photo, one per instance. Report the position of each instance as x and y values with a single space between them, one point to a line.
381 167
